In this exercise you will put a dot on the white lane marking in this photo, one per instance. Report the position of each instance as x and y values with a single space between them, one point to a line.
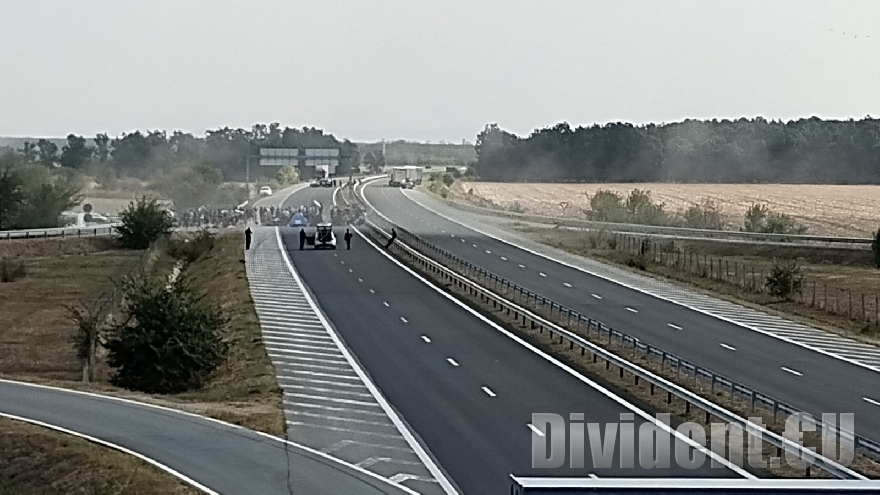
595 386
729 348
475 245
631 310
542 274
342 261
426 339
522 266
503 258
670 325
372 291
335 255
452 361
443 232
451 235
349 270
489 392
871 401
597 296
385 303
535 429
360 279
124 450
793 372
488 252
463 240
404 320
566 284
591 475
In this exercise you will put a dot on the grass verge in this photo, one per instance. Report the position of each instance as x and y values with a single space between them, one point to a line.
651 400
36 329
830 276
36 460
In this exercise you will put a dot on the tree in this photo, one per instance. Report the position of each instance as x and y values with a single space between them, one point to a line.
102 144
143 223
759 218
75 153
875 248
375 160
48 152
607 206
704 216
89 321
11 197
170 341
785 279
287 175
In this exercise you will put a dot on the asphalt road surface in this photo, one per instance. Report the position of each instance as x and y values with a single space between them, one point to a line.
225 459
467 390
803 378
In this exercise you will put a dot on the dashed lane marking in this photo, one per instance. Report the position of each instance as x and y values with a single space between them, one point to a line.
452 361
632 310
728 347
535 429
426 339
489 392
671 325
793 372
566 284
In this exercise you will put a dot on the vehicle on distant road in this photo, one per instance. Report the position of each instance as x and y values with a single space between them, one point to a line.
265 191
298 220
397 176
324 236
315 183
325 182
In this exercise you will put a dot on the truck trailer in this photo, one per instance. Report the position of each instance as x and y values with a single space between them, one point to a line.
397 176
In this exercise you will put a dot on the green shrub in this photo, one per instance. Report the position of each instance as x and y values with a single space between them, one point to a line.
607 206
706 215
641 209
448 179
170 340
189 250
785 279
143 223
761 219
10 271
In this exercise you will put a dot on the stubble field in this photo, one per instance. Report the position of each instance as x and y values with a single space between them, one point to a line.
850 211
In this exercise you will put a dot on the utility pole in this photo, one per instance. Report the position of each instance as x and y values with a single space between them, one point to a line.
247 175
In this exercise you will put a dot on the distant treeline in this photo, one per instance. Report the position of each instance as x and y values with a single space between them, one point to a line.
741 151
411 153
143 154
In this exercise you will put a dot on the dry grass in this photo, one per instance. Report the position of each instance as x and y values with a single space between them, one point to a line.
34 339
832 274
850 211
36 460
640 393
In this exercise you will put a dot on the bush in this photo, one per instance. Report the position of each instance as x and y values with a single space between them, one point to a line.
875 248
170 341
287 176
761 219
641 209
705 215
143 223
448 179
607 206
11 271
189 250
785 279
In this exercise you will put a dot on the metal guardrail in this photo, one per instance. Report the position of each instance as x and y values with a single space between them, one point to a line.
108 229
664 231
464 274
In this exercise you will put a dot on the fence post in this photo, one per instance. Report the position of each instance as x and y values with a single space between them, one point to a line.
813 300
850 312
863 306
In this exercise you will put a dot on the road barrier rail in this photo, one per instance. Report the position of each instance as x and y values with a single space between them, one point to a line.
470 278
666 486
108 229
674 232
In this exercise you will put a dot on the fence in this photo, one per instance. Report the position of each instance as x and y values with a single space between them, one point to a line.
752 277
679 232
520 302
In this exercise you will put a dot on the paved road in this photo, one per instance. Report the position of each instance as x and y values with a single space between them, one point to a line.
806 379
225 459
465 389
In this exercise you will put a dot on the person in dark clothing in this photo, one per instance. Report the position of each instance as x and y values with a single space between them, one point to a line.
347 238
247 238
391 240
302 238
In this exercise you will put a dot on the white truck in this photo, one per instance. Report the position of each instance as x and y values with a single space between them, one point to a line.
397 176
414 174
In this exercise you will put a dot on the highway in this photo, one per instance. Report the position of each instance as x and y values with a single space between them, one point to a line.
221 457
466 389
805 379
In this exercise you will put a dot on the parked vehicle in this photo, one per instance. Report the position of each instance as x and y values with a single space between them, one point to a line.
265 191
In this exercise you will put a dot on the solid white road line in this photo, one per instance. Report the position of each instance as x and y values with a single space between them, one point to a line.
535 429
631 310
489 392
793 372
729 348
871 401
670 325
452 361
426 339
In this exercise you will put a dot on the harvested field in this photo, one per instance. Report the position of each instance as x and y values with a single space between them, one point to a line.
852 211
36 460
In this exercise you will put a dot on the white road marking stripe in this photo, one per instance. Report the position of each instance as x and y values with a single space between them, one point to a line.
332 399
329 375
542 274
566 284
793 372
325 390
426 339
489 392
631 310
729 348
404 320
488 252
322 355
385 303
593 476
522 266
597 296
337 409
360 279
452 361
340 418
346 430
670 325
372 291
475 245
871 401
535 429
280 362
349 270
325 382
503 258
297 333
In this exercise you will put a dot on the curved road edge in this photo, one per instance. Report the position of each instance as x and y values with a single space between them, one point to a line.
208 452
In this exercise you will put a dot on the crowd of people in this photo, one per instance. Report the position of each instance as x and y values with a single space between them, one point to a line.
237 216
214 217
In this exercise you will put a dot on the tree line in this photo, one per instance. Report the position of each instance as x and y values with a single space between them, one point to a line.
755 150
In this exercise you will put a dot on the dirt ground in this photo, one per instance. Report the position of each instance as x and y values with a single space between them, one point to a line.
35 328
37 461
848 211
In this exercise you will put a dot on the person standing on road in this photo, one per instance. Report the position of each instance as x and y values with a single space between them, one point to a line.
247 239
391 240
302 238
347 239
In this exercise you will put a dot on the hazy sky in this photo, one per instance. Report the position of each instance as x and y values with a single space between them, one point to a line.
421 70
